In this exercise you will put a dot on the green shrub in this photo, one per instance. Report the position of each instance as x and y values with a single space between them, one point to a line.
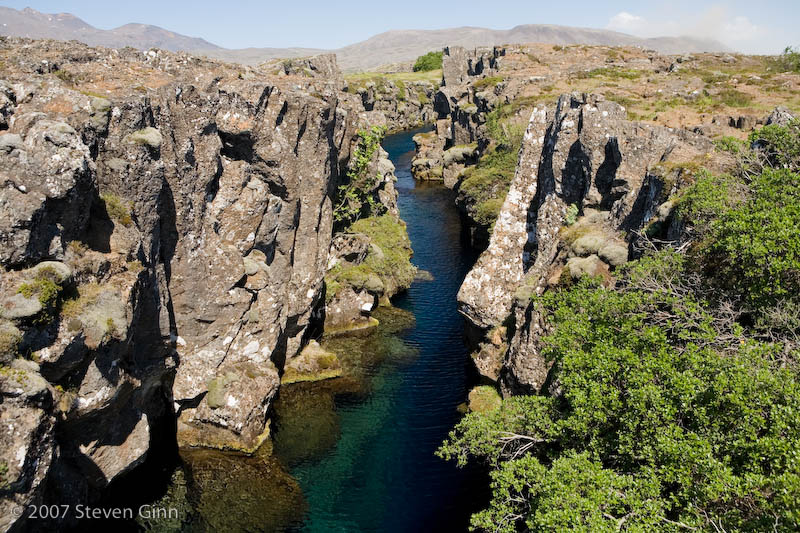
757 243
665 420
728 144
788 61
429 61
572 214
780 145
355 198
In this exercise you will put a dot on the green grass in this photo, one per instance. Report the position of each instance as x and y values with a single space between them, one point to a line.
401 90
487 183
87 295
734 98
489 82
613 73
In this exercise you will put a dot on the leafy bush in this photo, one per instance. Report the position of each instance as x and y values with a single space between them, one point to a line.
667 419
429 61
780 145
758 242
747 224
355 198
788 61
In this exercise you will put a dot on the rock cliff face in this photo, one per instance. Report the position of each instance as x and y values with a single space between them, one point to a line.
587 179
165 226
397 105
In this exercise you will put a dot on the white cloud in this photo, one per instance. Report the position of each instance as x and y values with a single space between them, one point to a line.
741 29
716 22
626 22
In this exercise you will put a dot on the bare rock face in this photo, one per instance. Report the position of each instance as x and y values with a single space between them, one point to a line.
396 105
165 226
458 64
584 154
47 180
27 438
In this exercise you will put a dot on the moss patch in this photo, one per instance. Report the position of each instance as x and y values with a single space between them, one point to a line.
486 184
483 399
118 210
489 82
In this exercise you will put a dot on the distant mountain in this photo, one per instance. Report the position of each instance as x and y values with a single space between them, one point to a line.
389 47
66 27
403 45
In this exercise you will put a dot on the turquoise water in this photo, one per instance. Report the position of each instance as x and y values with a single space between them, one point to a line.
382 474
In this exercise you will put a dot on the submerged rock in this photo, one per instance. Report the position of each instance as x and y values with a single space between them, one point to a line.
312 364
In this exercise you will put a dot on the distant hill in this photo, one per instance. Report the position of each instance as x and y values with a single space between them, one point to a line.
65 27
389 47
402 45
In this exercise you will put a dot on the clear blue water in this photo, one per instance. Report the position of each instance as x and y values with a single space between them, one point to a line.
382 474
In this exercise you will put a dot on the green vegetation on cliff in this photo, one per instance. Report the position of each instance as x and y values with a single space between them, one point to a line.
356 198
675 400
428 62
487 183
387 267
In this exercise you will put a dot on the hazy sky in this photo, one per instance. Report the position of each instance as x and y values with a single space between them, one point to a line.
746 25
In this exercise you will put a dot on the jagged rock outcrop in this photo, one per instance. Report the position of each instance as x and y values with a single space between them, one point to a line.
459 64
190 203
584 161
396 105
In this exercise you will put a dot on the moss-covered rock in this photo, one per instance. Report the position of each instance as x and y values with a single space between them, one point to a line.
460 154
10 338
314 363
483 399
614 253
587 266
148 136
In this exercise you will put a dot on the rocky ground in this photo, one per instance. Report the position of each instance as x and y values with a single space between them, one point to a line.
166 225
555 187
487 96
